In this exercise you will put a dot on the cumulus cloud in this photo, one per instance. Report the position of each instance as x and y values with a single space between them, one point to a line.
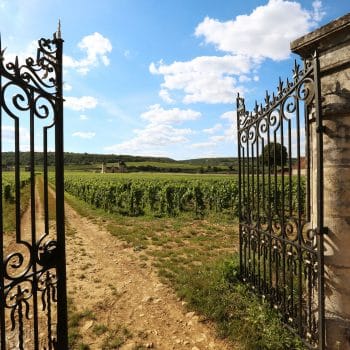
265 33
29 51
247 41
84 134
230 116
208 79
165 96
80 103
214 129
156 114
150 139
83 117
96 48
208 144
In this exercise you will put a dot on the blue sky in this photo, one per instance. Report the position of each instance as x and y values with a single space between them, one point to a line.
159 77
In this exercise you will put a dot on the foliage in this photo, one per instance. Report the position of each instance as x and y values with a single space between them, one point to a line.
165 196
274 154
9 184
200 196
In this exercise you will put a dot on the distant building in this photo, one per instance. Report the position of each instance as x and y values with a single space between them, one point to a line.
120 168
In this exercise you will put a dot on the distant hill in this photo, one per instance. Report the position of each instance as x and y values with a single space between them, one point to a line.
211 161
93 162
80 158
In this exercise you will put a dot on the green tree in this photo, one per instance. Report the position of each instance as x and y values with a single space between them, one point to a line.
276 153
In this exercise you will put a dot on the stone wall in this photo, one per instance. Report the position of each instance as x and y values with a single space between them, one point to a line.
332 43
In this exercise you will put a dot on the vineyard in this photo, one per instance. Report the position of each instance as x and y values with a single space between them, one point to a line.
170 195
9 198
9 184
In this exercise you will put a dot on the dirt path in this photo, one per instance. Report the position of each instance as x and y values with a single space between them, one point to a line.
123 297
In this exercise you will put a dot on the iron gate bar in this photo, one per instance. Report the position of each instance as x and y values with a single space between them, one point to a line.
281 247
39 287
61 263
320 212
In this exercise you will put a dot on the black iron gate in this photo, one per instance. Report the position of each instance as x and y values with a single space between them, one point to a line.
281 201
33 303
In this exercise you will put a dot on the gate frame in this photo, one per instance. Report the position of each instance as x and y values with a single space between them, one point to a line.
299 79
53 256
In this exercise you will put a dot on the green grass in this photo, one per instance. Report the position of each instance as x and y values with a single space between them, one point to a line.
215 291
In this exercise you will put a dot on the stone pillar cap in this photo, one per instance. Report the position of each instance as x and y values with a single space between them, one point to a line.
321 38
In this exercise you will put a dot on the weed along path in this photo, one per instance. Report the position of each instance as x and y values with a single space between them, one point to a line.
117 300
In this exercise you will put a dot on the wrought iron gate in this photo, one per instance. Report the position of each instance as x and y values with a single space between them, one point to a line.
33 303
281 201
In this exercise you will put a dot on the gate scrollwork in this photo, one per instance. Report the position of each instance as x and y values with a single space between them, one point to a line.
33 303
281 247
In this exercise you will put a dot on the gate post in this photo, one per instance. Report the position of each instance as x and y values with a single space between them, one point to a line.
332 42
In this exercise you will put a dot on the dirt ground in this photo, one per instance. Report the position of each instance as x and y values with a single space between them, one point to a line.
122 297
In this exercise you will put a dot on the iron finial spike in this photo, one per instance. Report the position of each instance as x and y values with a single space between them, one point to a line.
59 30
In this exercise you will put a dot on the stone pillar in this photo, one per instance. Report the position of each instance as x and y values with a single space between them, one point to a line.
332 42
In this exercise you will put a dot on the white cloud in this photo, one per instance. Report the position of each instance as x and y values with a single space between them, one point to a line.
244 79
230 116
8 134
319 12
203 145
213 130
84 135
29 51
83 117
96 48
164 95
156 114
80 103
150 139
67 87
8 139
265 33
208 79
247 41
220 138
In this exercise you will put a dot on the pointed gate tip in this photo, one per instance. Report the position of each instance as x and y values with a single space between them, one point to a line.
59 30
